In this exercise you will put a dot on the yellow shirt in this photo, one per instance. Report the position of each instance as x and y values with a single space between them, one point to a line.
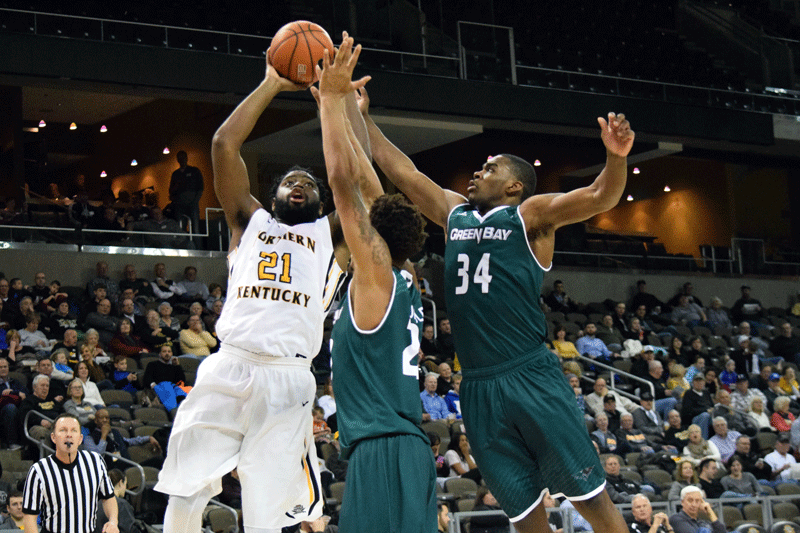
565 349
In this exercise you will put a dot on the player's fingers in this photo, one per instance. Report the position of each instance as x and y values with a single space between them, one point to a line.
621 117
326 59
360 83
315 93
602 122
354 57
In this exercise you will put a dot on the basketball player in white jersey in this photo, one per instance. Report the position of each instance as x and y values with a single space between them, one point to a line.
251 404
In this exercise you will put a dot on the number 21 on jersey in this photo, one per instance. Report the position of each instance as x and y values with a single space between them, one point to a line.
269 262
481 276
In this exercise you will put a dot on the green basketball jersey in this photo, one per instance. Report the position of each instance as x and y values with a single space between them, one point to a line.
492 286
376 381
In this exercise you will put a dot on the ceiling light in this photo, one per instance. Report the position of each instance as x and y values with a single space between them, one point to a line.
32 129
666 188
537 163
630 197
636 170
103 128
73 126
42 123
166 150
103 174
134 163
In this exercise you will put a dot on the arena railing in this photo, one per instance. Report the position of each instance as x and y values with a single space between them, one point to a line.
43 447
613 373
248 45
231 529
668 507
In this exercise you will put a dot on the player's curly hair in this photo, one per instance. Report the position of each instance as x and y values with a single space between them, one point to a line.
276 182
400 224
524 172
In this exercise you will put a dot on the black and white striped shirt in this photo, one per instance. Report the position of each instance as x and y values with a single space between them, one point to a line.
66 494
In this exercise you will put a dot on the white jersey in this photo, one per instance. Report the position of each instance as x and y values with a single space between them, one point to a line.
277 279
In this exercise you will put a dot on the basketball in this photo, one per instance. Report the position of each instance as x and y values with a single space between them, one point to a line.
296 48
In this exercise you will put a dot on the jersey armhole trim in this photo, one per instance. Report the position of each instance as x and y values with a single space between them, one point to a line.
447 222
385 314
528 244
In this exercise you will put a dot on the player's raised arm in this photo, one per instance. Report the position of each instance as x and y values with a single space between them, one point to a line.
434 201
555 210
347 165
231 182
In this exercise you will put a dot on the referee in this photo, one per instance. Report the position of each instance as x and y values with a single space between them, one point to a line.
64 487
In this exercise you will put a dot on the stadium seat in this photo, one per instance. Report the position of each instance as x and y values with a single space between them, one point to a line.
461 487
749 527
658 478
154 416
784 526
784 489
465 505
785 511
122 398
337 492
437 428
754 513
766 441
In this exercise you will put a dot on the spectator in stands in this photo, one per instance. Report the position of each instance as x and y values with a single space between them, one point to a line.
428 342
699 448
125 342
39 290
452 398
424 286
59 360
215 294
563 348
40 401
90 388
485 501
780 460
642 297
677 382
33 338
609 334
142 290
742 395
724 439
61 320
633 436
210 320
92 339
621 319
12 394
15 513
737 420
69 342
443 517
688 291
108 219
193 290
728 376
738 481
774 391
122 378
748 309
591 346
689 520
125 513
195 341
757 344
58 389
685 475
445 379
102 280
786 345
156 222
676 434
164 289
328 403
98 295
644 521
645 320
130 309
712 382
101 320
610 409
761 380
196 309
717 316
795 309
49 303
648 421
694 350
432 404
697 368
597 397
558 300
697 405
166 320
459 458
103 438
758 415
751 461
623 489
77 405
664 399
606 440
782 418
444 340
635 331
788 383
165 368
185 190
711 485
154 336
688 314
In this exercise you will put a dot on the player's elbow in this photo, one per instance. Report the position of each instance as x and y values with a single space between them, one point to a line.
223 142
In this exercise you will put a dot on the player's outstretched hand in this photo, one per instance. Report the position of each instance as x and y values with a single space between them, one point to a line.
617 134
362 99
335 76
284 84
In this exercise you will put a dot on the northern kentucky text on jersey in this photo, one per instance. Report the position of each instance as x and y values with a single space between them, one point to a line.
273 293
478 234
289 236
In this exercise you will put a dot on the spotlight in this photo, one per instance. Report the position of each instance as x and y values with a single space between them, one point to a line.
73 126
630 197
666 188
636 170
166 150
42 123
537 163
103 128
103 174
134 163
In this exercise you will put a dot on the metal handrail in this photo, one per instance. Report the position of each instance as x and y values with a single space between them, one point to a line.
616 372
433 305
42 447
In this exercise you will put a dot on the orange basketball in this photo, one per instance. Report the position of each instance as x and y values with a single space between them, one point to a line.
297 48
